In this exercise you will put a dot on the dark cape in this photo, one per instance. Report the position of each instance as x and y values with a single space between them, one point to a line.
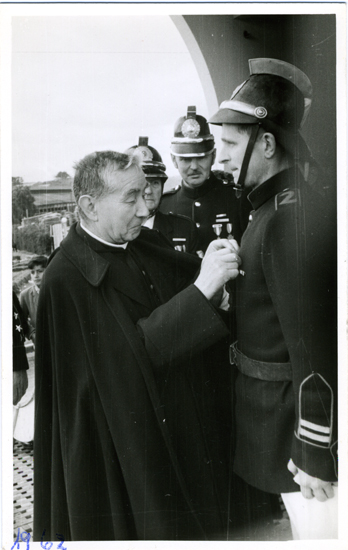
127 442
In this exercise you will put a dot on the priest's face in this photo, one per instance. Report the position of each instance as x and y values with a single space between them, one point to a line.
121 212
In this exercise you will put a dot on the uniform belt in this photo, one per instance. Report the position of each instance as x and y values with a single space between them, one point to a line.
272 372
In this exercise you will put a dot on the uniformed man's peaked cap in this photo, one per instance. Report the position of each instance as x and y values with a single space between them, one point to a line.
151 160
192 137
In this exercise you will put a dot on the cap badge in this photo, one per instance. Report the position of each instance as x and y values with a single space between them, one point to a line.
144 153
260 112
190 128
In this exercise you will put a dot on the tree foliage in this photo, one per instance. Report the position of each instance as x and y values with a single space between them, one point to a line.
62 175
17 180
33 238
22 201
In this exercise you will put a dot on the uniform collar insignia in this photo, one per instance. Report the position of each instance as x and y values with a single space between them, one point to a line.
272 187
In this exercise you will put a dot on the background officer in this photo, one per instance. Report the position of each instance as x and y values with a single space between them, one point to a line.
286 354
20 361
208 198
179 230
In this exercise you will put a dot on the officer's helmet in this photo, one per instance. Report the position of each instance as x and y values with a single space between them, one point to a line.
277 96
192 137
151 160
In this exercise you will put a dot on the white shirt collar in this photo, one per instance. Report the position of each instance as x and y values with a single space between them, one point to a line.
124 245
149 222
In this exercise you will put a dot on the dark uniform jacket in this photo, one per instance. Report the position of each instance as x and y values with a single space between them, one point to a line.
127 441
286 327
179 230
214 202
20 329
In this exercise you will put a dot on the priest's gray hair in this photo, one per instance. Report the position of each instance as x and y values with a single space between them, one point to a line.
92 173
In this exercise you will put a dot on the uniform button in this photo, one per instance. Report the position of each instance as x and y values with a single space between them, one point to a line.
197 203
143 272
151 286
250 217
198 225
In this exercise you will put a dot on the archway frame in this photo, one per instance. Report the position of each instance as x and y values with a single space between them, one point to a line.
199 61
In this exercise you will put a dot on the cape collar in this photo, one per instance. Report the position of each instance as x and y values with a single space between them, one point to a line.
94 266
112 245
123 277
273 186
90 264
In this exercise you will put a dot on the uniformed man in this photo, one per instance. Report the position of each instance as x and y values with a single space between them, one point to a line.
286 353
208 198
179 230
20 361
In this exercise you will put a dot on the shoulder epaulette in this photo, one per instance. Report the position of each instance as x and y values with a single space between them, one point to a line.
172 191
286 197
223 177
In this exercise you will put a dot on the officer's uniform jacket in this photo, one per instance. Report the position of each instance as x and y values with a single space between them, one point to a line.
179 230
286 327
214 202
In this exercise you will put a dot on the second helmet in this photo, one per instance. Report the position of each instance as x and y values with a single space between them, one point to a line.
151 160
192 137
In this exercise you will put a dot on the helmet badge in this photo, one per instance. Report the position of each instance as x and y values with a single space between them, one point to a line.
260 112
190 128
144 153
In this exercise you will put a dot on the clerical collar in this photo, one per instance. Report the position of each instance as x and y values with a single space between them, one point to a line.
149 222
124 245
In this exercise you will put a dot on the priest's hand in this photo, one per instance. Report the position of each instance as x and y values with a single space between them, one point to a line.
218 244
219 265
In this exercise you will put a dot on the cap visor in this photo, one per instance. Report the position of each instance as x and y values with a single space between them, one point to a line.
192 149
227 116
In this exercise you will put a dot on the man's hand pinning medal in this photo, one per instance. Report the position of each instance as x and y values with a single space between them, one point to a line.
220 264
